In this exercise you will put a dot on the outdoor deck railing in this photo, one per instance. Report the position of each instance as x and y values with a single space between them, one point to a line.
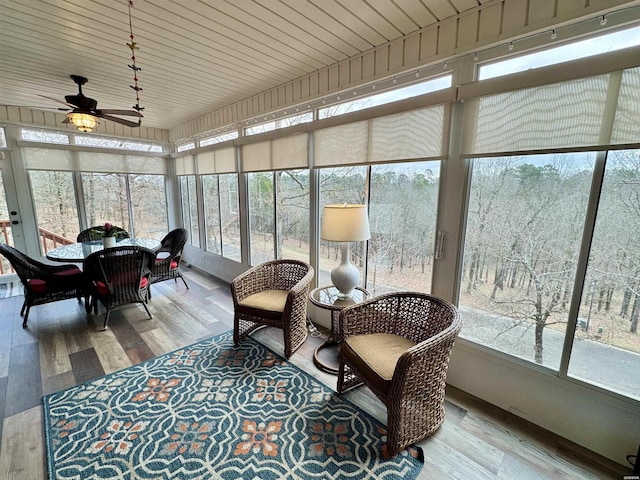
48 240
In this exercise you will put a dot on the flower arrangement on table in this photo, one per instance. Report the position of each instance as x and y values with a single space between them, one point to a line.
109 232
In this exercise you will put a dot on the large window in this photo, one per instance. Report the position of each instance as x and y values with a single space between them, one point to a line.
229 215
220 194
606 347
279 215
106 199
55 203
341 185
149 206
292 204
524 230
402 215
261 217
189 206
211 198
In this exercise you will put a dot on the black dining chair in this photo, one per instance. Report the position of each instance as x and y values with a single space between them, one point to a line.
168 257
119 276
44 283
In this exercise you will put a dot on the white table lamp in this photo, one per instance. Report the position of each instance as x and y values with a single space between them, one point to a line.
345 223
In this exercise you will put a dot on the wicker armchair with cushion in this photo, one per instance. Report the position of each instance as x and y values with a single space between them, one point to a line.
44 283
119 276
168 256
97 232
273 294
399 345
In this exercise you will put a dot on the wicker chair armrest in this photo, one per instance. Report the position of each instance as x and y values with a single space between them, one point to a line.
428 359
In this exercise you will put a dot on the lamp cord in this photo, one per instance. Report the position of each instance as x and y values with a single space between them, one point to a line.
313 331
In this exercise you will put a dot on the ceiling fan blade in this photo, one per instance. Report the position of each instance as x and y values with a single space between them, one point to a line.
59 101
127 113
40 107
121 121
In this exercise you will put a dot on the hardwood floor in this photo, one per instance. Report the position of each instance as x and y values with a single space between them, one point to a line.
63 347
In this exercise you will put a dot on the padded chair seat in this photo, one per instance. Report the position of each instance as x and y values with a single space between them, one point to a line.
102 289
267 300
376 355
40 286
172 265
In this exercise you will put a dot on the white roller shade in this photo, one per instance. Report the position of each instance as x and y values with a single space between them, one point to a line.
225 160
290 152
206 163
626 124
341 145
414 134
184 165
561 115
216 161
65 160
256 157
279 154
48 159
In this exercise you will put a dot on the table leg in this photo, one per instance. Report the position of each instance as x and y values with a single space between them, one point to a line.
332 340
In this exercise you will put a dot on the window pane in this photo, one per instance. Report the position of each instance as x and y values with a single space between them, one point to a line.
341 185
190 208
293 214
229 216
261 217
395 95
55 204
402 215
105 199
610 304
211 213
44 136
551 56
149 204
524 228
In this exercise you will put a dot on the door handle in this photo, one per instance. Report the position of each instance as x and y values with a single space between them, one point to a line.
14 222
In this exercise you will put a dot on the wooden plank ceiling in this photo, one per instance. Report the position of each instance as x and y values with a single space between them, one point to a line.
196 56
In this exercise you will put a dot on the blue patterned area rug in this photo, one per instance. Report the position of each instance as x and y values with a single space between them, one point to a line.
215 411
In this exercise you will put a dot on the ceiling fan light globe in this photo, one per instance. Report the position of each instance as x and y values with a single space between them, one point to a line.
83 121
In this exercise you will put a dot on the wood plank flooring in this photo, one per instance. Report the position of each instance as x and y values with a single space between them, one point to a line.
63 347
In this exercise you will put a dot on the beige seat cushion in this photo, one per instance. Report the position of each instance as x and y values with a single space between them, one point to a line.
268 300
375 355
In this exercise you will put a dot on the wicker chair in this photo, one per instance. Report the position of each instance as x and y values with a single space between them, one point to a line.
168 256
44 283
119 276
273 294
399 345
97 232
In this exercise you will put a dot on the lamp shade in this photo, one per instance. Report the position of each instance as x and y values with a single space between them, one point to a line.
345 223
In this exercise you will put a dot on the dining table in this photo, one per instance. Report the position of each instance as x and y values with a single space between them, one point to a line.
78 252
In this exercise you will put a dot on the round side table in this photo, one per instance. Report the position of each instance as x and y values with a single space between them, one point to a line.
327 298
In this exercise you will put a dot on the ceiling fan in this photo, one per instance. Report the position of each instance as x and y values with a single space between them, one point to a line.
84 114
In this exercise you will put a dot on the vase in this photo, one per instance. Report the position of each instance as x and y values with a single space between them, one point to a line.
109 242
